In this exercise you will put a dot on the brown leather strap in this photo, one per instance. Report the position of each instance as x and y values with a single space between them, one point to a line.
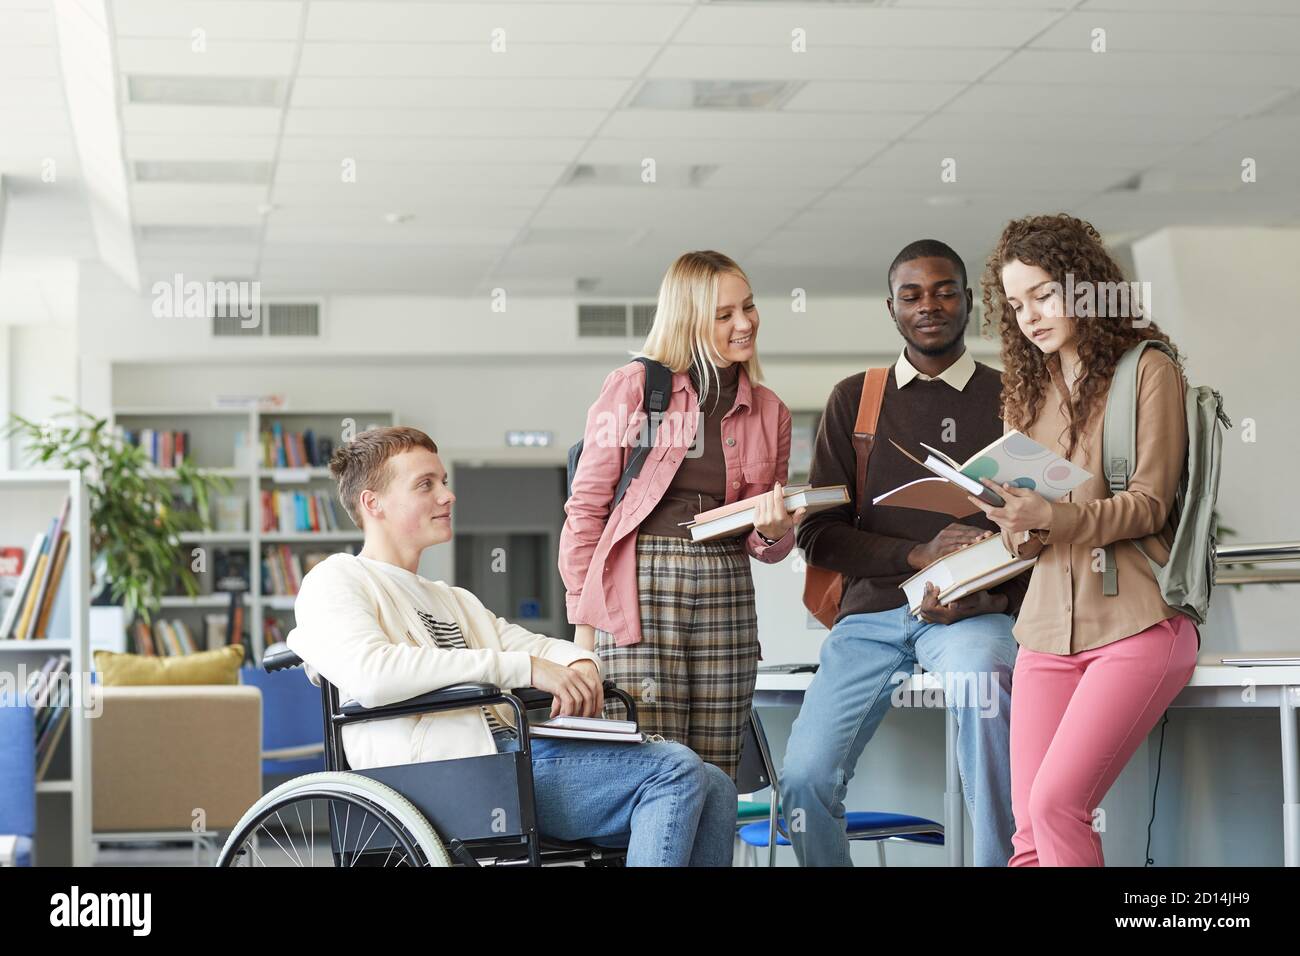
864 429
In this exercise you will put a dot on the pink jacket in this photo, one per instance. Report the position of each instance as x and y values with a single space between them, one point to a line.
597 548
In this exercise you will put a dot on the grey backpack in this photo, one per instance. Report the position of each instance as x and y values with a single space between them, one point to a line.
1186 578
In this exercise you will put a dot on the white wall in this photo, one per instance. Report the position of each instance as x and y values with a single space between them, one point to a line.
1225 297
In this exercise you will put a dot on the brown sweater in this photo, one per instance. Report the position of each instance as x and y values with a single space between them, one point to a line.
873 558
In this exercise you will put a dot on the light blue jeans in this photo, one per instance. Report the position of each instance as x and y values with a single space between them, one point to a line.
658 799
863 661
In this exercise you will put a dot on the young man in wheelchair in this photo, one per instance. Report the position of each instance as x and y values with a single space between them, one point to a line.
370 625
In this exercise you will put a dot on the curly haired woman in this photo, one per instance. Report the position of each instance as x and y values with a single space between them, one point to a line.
1094 672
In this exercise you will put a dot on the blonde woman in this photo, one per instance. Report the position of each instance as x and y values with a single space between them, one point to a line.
673 620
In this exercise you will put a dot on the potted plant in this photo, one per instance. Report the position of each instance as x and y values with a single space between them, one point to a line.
135 518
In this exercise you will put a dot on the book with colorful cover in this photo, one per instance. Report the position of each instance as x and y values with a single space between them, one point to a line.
1014 459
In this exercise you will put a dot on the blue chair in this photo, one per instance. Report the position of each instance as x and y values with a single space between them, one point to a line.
293 737
18 781
877 826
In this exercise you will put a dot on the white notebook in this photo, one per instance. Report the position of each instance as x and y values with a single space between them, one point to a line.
588 728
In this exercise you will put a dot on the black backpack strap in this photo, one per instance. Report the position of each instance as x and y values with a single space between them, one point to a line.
658 389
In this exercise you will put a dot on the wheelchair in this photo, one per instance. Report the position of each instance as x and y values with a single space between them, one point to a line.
471 811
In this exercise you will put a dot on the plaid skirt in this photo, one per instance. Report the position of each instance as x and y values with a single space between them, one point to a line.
692 674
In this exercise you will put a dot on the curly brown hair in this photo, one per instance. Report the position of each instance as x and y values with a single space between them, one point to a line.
1059 244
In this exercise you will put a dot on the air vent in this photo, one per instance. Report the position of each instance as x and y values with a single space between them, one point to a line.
643 316
231 318
615 320
208 90
232 326
602 321
293 318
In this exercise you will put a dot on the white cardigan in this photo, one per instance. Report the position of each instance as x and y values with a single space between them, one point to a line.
357 626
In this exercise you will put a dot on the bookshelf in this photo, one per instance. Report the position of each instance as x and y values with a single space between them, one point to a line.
28 500
217 448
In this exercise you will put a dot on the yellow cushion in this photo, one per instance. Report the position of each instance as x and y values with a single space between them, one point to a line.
205 667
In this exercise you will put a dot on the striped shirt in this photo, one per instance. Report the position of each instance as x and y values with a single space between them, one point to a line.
448 637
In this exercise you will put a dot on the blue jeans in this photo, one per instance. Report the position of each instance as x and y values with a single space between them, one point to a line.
659 799
863 660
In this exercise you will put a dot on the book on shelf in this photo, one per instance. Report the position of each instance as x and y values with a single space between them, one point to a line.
16 602
49 693
235 620
165 449
975 567
28 614
1014 459
299 511
164 638
285 449
739 515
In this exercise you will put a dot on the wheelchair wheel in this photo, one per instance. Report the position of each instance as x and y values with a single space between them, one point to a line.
333 819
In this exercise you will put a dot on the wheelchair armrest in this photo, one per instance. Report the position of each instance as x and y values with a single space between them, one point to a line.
278 657
444 698
534 699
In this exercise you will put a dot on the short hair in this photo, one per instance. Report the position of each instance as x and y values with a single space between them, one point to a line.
363 462
926 249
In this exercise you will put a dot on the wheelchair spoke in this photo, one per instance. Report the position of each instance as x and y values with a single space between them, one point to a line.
378 840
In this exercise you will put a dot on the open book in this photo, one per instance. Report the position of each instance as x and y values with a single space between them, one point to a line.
1014 459
739 515
976 567
588 728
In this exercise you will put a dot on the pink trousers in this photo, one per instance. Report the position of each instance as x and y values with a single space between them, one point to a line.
1075 722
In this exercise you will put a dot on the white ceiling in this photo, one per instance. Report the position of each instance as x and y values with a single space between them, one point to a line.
476 146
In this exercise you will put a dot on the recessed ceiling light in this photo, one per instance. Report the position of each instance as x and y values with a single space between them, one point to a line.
397 218
714 94
201 171
208 90
629 174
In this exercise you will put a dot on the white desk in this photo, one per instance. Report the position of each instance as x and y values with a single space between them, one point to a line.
1212 685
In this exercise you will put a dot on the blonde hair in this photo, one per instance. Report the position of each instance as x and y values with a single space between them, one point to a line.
682 333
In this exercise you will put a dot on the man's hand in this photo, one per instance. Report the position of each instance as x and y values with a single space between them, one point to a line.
771 519
956 535
1022 510
981 602
576 690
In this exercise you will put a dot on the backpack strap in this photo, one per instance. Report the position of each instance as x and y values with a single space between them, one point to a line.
864 430
1119 440
658 389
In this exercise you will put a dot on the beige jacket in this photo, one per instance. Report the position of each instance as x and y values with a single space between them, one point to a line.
1064 611
357 626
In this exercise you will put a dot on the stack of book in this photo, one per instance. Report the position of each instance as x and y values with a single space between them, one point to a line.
299 511
976 567
49 692
283 570
165 449
34 610
282 449
738 517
